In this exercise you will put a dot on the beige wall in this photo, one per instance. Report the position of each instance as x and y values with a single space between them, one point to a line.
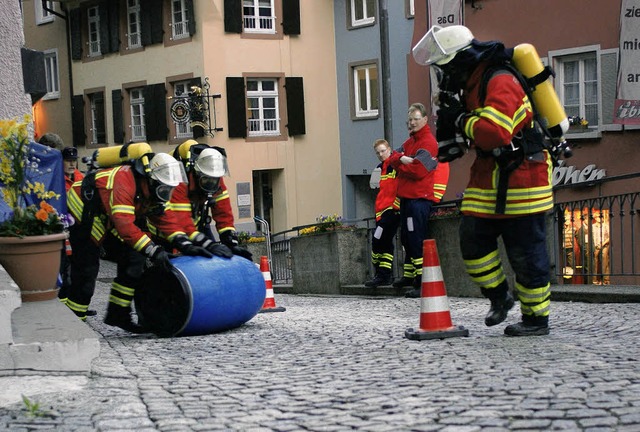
50 115
307 182
310 181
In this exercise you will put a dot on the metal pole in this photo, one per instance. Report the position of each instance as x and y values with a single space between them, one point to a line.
267 235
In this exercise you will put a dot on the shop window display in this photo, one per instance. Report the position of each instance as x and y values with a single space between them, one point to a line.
586 255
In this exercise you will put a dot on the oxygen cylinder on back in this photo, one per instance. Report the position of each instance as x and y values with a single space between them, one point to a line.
551 111
117 155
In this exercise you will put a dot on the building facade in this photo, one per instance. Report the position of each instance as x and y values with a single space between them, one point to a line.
263 64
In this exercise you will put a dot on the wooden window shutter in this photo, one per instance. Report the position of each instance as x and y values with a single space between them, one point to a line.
295 105
118 121
236 107
75 25
190 17
291 17
151 22
233 16
101 133
155 116
103 14
77 120
114 25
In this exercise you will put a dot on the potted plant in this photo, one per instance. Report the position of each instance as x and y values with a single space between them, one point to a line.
32 232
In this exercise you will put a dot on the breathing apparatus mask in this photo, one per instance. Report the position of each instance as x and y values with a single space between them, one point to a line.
163 174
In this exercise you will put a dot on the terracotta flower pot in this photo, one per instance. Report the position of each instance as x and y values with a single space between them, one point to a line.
33 263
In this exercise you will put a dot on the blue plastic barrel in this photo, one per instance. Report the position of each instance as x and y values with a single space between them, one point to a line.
200 296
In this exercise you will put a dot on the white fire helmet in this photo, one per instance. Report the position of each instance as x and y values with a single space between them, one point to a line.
441 44
166 170
211 163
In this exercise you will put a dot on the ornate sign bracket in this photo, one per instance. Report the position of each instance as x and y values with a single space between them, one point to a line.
196 108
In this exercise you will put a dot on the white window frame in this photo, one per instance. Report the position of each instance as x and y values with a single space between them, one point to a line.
134 34
183 130
261 124
137 125
558 58
368 16
258 23
52 74
368 111
411 12
43 16
179 22
93 36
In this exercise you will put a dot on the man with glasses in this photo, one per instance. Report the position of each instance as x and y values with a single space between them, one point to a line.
415 163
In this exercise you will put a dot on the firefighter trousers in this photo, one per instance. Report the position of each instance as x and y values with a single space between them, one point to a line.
382 241
414 216
525 243
85 265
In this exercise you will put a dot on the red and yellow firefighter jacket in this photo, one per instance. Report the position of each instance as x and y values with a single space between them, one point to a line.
505 112
187 203
440 180
387 198
68 181
123 205
414 180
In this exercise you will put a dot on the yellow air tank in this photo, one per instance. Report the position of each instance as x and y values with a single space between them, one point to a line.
551 111
117 155
184 148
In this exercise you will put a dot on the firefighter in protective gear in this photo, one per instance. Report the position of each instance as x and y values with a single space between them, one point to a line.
509 190
205 199
415 163
119 200
387 208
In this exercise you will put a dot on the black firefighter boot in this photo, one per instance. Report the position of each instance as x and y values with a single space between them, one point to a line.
119 316
499 309
382 278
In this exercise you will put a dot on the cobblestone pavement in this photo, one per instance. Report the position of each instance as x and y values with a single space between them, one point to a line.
343 363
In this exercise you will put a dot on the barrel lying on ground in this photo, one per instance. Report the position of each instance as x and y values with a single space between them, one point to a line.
200 296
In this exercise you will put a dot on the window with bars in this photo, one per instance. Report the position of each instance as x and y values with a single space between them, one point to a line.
93 22
578 85
136 101
262 107
258 16
133 24
52 74
183 130
362 12
179 21
97 131
365 90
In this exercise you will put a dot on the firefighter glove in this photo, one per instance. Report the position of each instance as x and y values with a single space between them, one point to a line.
212 247
186 247
159 257
230 238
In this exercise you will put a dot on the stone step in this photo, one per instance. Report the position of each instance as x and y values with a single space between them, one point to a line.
42 336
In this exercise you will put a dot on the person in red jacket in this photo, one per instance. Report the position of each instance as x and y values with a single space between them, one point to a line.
71 172
121 200
510 188
415 163
71 175
205 199
387 218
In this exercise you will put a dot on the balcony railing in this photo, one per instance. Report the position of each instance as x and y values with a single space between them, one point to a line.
258 24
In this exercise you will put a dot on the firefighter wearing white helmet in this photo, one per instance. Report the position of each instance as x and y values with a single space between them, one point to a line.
205 199
509 190
120 200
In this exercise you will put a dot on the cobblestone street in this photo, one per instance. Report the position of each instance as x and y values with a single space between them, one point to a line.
341 363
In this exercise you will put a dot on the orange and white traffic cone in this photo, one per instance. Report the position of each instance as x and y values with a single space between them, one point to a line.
435 318
269 304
